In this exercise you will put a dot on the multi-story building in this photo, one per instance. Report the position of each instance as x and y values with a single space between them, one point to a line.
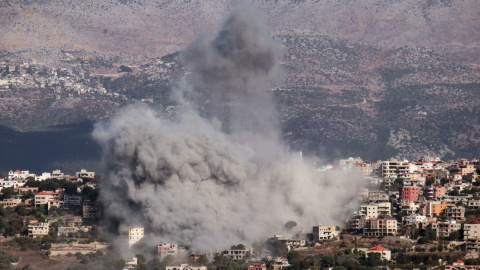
434 192
471 234
36 229
12 202
365 168
438 207
133 235
442 229
410 194
413 219
384 225
42 198
165 249
85 174
57 174
237 254
389 168
356 223
91 209
455 212
321 232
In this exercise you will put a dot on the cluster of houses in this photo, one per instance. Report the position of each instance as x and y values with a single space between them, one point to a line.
52 198
429 194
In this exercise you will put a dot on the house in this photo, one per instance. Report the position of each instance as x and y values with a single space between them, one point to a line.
43 177
27 189
459 264
280 263
12 202
288 241
42 198
385 254
84 174
36 229
65 230
237 254
321 232
185 266
74 222
133 235
57 174
165 249
131 263
257 266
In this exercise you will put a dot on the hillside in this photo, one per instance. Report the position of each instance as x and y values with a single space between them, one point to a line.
156 28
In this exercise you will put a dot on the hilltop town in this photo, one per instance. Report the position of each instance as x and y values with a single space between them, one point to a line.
410 213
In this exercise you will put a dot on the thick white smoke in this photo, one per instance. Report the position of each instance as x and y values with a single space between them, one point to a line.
224 179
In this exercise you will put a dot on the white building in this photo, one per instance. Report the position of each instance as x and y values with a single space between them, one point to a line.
36 229
385 254
133 235
185 266
44 176
57 174
84 174
19 175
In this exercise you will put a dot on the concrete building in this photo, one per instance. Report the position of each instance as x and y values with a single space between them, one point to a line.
165 249
43 198
185 266
237 254
257 266
442 229
455 212
57 174
133 235
85 174
12 202
471 234
321 232
384 225
91 209
385 254
36 229
410 194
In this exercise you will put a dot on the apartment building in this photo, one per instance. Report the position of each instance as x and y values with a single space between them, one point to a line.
36 229
133 235
471 234
384 225
321 232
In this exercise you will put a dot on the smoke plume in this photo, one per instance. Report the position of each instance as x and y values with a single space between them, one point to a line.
222 177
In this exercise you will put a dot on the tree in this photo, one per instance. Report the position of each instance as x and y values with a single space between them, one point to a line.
290 225
293 256
141 258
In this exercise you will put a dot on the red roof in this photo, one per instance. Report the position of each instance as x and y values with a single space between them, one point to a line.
458 261
378 248
475 221
48 193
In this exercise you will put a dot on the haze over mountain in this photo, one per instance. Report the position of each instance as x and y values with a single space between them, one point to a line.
365 78
159 27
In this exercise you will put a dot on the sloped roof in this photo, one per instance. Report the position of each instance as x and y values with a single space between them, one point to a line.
475 221
378 248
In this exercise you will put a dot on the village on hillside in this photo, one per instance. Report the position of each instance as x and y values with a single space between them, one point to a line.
412 213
